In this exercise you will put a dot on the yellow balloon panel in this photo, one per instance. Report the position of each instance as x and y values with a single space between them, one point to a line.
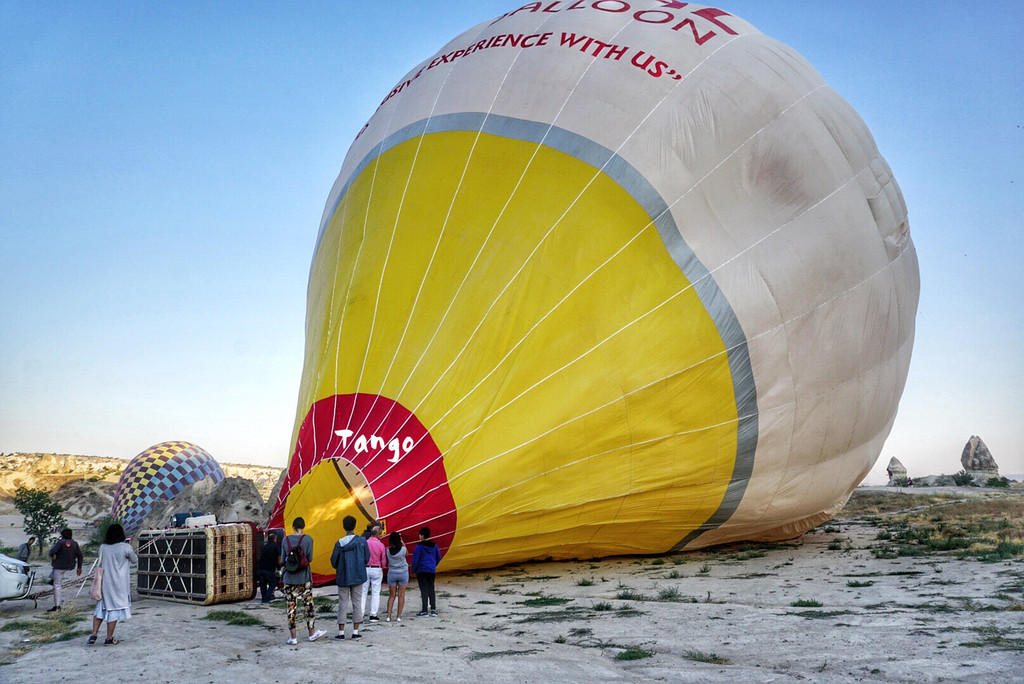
486 312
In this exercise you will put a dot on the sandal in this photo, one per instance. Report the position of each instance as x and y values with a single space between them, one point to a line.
111 642
91 641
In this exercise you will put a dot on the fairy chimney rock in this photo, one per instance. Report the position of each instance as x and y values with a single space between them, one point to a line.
897 472
977 460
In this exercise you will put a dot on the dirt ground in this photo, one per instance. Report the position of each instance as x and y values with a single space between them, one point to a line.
822 608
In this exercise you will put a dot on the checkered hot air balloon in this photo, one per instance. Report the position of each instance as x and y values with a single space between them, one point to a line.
160 472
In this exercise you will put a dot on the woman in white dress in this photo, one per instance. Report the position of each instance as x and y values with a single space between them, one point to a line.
116 558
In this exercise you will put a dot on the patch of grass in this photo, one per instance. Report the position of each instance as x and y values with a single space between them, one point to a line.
703 657
668 594
877 503
55 627
994 637
985 528
835 545
806 603
480 655
234 617
627 611
580 631
628 594
324 604
546 601
12 653
857 584
585 582
634 653
603 605
18 625
560 639
704 569
820 614
557 615
658 561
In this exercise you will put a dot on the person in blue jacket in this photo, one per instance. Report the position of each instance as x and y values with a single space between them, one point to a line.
424 563
349 558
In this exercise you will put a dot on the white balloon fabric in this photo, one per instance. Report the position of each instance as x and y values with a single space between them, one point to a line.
602 277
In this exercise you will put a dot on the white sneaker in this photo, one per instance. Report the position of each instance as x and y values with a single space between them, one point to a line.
292 641
316 635
387 619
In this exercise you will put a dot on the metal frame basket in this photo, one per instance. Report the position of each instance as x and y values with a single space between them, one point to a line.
203 565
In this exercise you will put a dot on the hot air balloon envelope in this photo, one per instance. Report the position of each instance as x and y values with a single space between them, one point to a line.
601 278
160 472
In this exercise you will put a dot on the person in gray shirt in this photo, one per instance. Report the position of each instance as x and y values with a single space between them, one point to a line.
25 550
398 574
296 550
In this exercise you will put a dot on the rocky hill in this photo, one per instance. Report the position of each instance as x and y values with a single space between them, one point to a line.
53 471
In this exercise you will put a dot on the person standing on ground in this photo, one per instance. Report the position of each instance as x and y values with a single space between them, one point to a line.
374 571
116 557
25 550
266 570
296 550
424 564
64 555
349 558
398 574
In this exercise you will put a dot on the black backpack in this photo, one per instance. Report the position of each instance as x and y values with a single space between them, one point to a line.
296 560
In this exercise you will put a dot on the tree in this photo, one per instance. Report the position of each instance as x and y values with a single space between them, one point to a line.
44 517
964 479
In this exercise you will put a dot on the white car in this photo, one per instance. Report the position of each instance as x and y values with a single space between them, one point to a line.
16 578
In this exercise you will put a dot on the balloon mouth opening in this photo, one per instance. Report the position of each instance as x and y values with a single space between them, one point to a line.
367 456
357 495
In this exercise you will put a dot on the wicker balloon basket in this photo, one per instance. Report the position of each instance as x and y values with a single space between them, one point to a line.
204 565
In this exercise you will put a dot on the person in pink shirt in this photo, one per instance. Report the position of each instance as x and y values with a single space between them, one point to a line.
375 568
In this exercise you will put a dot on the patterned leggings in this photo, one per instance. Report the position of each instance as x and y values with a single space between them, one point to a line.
293 593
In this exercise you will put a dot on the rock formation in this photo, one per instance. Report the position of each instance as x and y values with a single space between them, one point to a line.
86 499
977 460
231 500
897 472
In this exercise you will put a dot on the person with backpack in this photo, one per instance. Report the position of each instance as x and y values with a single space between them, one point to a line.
349 558
65 555
424 563
296 550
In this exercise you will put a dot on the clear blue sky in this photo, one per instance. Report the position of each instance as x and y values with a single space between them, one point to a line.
164 166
